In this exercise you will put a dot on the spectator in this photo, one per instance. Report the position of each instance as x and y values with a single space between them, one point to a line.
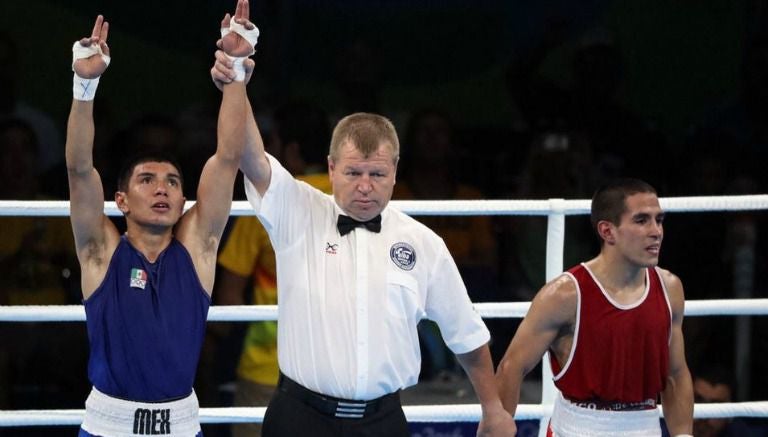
715 384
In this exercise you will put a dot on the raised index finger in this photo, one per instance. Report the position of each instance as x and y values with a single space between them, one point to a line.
242 9
97 27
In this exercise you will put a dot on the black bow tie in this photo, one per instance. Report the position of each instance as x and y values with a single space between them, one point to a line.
346 224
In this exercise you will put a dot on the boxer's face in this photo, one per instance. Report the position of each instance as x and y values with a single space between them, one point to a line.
154 195
640 232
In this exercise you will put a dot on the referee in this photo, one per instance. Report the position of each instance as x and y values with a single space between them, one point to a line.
354 278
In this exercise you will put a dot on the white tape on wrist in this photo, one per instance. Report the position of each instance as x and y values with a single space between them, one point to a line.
84 89
237 65
251 36
683 435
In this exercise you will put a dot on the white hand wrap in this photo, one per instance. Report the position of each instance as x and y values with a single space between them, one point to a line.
80 52
85 89
237 65
251 36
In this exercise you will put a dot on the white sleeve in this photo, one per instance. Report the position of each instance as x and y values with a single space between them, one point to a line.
448 304
279 208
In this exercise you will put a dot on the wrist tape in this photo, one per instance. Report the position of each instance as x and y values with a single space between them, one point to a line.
252 36
237 65
85 89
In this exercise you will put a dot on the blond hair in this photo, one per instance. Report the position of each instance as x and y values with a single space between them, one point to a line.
367 132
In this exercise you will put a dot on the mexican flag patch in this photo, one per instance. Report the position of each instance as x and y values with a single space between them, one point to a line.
138 278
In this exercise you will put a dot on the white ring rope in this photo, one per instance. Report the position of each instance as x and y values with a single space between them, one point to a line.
554 208
60 208
251 313
414 413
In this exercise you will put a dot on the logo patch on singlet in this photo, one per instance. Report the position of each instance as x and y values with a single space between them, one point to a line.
138 278
403 255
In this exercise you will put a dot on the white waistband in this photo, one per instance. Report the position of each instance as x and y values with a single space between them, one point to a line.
108 416
569 420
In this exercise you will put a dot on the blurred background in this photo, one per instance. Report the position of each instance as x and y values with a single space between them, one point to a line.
491 99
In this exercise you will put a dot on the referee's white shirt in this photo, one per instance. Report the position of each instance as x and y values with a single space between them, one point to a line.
348 306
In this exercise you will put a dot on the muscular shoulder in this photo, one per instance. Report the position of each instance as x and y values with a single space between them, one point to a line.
562 289
557 299
674 287
671 281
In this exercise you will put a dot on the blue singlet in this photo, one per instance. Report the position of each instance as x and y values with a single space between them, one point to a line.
146 324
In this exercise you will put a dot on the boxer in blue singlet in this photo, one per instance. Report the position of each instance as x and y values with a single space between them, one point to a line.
147 292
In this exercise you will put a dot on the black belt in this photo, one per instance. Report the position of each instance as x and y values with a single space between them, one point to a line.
331 406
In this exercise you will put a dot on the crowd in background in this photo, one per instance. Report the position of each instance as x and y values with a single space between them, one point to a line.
561 141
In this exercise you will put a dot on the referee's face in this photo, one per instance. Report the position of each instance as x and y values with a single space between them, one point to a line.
362 185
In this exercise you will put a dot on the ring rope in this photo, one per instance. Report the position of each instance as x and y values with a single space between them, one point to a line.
413 413
60 208
252 313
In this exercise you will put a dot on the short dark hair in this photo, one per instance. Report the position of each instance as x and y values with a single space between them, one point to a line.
124 176
608 202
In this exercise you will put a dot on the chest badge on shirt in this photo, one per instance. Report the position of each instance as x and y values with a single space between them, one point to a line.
403 255
138 278
331 248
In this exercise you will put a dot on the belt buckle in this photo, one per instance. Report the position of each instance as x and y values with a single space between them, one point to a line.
350 410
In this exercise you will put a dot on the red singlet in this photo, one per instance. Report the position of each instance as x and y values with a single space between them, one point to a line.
619 359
